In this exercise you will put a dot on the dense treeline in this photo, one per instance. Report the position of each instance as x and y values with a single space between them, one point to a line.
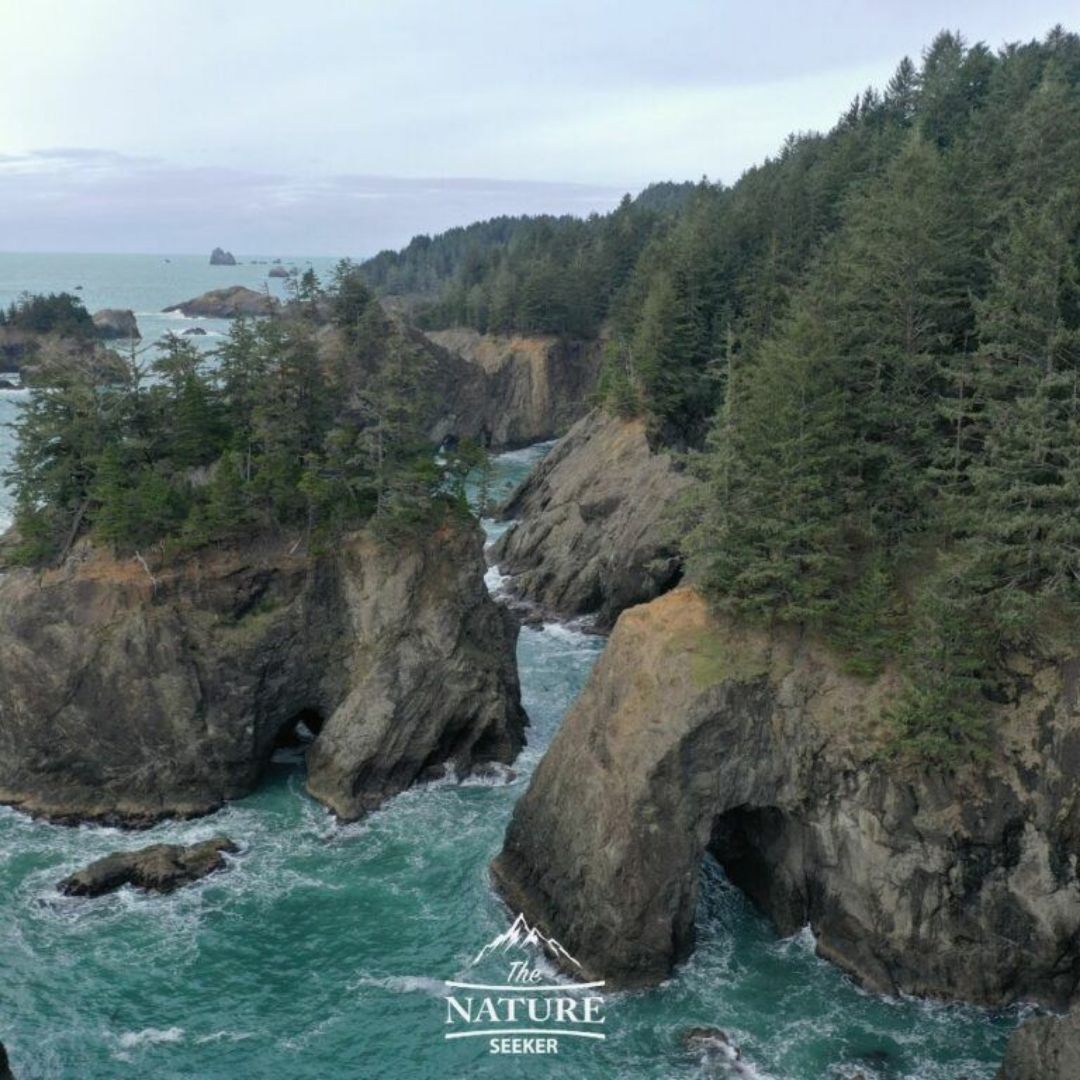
269 432
895 454
529 274
870 344
54 313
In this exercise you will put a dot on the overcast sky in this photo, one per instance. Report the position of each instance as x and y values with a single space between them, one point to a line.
343 126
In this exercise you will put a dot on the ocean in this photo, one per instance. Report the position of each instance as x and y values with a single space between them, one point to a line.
322 952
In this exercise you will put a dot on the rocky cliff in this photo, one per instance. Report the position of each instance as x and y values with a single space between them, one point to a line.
1046 1048
130 693
116 324
592 535
696 735
234 302
510 391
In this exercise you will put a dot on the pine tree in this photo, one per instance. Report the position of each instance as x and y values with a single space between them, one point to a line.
114 519
769 540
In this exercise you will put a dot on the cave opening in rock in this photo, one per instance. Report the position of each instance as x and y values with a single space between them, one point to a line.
295 736
761 850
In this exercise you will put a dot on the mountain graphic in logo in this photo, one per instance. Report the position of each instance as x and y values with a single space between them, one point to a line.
522 936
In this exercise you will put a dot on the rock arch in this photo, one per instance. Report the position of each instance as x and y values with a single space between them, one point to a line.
695 735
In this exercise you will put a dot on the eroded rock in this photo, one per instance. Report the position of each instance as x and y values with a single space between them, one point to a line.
592 534
507 391
157 868
1046 1048
116 324
131 693
694 734
236 301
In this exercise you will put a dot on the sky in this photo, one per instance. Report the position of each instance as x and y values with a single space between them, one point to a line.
340 127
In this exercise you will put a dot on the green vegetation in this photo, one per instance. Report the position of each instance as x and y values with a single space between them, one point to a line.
895 456
56 313
266 433
543 274
870 346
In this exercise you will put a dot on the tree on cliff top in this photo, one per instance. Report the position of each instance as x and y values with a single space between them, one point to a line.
263 434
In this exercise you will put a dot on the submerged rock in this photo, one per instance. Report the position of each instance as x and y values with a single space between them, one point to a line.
194 331
592 535
719 1056
157 868
1046 1048
130 693
221 257
236 301
709 1040
698 735
116 323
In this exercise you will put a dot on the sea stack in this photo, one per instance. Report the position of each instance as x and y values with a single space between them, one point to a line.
697 734
116 324
131 692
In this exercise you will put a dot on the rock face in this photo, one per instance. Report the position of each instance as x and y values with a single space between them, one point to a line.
221 257
5 1067
41 359
695 735
157 868
592 534
116 323
1047 1048
234 302
17 348
510 391
127 699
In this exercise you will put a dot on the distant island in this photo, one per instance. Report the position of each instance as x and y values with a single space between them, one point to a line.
221 257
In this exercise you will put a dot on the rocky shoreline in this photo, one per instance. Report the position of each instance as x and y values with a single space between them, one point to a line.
131 693
592 531
158 868
697 736
510 391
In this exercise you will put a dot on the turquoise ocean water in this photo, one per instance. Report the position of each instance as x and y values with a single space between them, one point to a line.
321 953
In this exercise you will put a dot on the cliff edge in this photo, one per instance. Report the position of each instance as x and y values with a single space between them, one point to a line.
591 535
696 735
130 693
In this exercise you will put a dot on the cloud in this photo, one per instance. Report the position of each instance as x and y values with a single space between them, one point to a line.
95 199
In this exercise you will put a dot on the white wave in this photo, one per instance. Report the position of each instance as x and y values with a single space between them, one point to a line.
527 454
402 984
130 1039
497 775
802 941
716 1050
495 580
567 632
220 1036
